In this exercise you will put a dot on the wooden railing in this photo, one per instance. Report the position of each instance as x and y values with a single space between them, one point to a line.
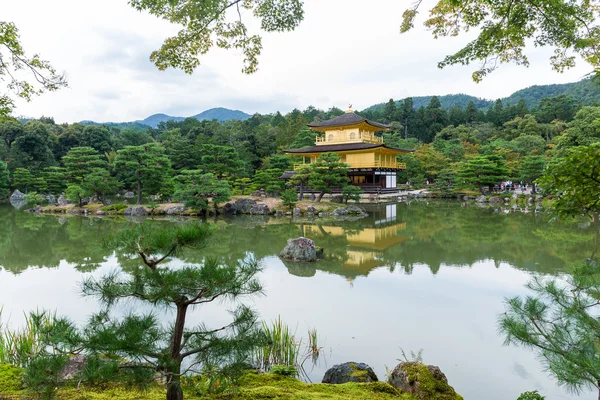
371 164
373 139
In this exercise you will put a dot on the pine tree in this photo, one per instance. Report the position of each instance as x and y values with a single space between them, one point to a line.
484 171
22 179
80 161
148 164
4 180
531 168
196 188
328 173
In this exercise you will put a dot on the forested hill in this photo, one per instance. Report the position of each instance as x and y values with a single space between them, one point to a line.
584 92
220 114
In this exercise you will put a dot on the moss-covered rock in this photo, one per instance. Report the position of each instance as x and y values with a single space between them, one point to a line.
425 382
11 379
350 372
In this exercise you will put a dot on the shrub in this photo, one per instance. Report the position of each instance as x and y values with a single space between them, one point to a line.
351 193
11 378
34 198
289 198
115 207
531 396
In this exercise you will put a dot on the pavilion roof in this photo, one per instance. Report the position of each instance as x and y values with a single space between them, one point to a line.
349 118
343 147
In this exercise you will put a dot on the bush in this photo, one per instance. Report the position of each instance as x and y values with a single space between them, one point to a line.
289 198
284 370
34 198
531 396
115 207
351 193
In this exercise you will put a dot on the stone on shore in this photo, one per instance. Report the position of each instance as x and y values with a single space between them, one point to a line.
300 249
350 372
425 382
175 210
135 211
260 209
129 195
17 196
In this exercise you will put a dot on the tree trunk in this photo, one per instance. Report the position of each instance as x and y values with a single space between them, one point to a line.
139 189
174 391
320 197
301 194
480 188
532 187
405 128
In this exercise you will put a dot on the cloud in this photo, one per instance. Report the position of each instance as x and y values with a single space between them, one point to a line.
342 53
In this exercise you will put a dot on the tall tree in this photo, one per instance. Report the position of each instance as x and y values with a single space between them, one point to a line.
221 161
56 178
147 163
80 162
32 149
4 180
531 168
22 179
328 172
484 171
575 181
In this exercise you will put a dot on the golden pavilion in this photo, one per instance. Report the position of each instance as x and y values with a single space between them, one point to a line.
372 164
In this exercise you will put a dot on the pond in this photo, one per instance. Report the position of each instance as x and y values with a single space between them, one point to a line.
425 275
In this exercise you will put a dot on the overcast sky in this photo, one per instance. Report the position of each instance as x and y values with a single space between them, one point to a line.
345 51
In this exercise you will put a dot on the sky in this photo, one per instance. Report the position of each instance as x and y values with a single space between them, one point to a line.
344 52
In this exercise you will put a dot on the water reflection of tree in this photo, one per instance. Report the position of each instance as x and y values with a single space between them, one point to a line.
442 233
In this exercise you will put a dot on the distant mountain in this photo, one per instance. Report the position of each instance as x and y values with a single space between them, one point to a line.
220 114
156 119
585 92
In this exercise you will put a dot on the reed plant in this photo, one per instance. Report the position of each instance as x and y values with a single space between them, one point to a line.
283 348
18 346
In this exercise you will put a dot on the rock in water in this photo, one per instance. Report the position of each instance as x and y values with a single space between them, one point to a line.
355 210
311 209
425 382
300 249
296 211
244 205
340 211
62 200
17 196
350 372
135 211
260 209
481 199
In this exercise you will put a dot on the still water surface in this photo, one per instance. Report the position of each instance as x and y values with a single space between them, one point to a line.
428 276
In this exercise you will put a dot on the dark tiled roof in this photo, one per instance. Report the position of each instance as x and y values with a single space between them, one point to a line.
348 118
342 147
287 174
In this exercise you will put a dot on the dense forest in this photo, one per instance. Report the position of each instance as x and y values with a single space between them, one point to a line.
452 147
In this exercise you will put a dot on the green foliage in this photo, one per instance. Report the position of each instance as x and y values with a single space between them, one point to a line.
268 180
141 336
22 179
115 207
531 396
16 60
4 180
504 27
446 181
55 178
76 194
221 161
328 172
149 166
34 198
289 197
484 171
584 130
196 189
212 24
80 162
351 192
532 167
575 180
242 184
559 322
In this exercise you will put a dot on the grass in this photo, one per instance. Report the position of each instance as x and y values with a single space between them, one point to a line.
18 346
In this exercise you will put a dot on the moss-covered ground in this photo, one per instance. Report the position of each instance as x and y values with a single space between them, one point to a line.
252 386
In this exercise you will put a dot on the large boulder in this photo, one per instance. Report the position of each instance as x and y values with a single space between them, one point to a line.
481 199
340 211
135 211
51 199
355 210
229 209
300 249
296 211
73 368
350 372
425 382
129 195
241 206
260 209
63 201
311 209
17 196
175 210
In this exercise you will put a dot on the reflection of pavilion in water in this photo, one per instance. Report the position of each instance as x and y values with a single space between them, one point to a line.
364 245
